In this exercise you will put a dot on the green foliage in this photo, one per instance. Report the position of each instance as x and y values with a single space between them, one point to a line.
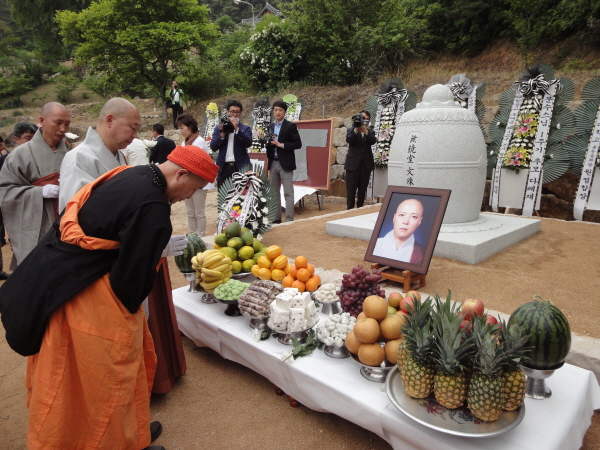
225 24
137 40
65 85
272 58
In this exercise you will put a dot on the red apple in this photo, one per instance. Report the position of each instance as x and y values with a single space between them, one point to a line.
394 299
472 307
490 319
414 294
405 302
466 324
401 313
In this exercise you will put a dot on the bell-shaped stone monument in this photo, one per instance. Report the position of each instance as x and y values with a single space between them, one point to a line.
440 145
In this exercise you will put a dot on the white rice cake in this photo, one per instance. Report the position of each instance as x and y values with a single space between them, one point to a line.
298 325
284 301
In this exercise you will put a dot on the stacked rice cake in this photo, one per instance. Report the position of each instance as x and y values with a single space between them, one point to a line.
255 300
292 311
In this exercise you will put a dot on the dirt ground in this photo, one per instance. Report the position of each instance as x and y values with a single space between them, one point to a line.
219 404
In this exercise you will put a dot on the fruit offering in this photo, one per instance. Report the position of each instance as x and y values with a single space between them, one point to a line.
301 275
239 245
358 285
458 361
271 264
212 269
230 290
333 331
375 327
195 245
257 298
327 293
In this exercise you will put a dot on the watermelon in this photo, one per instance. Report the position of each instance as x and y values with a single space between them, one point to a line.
233 230
195 245
549 333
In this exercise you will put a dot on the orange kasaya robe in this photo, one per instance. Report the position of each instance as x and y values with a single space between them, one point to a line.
89 386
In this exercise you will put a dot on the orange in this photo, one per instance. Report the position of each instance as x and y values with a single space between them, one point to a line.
287 281
313 283
277 274
301 262
299 285
293 271
303 275
311 268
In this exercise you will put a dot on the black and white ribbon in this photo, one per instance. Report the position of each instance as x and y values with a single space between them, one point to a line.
532 190
395 96
587 172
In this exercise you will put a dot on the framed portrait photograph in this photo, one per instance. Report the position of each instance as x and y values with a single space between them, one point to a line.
407 228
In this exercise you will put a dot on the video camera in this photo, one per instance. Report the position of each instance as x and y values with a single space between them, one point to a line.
267 139
358 120
227 125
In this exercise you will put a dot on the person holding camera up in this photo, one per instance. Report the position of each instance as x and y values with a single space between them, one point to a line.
231 138
176 101
284 139
359 161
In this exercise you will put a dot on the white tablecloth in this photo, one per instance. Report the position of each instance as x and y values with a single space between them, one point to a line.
336 386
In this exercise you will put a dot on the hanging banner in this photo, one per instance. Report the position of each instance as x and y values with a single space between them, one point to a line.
587 173
472 102
539 148
512 118
411 158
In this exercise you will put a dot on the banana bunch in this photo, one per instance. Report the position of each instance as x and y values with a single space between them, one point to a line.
212 269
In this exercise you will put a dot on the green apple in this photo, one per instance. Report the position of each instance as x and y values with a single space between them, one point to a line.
391 310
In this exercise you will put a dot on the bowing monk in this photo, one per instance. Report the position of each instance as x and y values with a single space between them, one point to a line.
74 306
29 182
117 126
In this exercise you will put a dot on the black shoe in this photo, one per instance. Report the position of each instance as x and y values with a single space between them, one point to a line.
277 221
155 430
4 275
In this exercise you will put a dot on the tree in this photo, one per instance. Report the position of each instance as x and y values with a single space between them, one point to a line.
129 39
36 17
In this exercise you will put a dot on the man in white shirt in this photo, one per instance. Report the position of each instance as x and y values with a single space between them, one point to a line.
399 244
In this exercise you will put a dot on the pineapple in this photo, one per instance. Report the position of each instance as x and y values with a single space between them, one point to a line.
415 355
513 378
485 395
452 354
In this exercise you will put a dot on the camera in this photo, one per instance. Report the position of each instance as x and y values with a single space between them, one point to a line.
227 125
268 139
358 120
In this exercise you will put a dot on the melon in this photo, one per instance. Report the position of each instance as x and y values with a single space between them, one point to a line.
247 265
194 246
235 242
256 245
233 230
230 252
236 267
549 333
221 240
247 237
246 252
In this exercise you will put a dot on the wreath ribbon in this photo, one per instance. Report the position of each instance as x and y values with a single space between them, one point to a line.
250 183
537 85
395 95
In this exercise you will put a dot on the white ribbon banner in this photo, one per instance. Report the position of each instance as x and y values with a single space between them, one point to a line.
539 148
512 118
471 102
587 172
411 158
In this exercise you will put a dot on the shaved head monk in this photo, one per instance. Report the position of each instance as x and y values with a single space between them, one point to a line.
91 358
399 243
117 126
29 182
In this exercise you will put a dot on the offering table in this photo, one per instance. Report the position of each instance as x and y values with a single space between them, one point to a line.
336 386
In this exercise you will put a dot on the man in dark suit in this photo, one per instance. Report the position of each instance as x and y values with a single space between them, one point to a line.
359 161
232 144
163 147
282 159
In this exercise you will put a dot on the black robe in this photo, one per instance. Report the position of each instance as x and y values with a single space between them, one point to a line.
130 208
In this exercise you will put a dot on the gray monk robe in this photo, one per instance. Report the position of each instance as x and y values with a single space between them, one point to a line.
84 164
27 215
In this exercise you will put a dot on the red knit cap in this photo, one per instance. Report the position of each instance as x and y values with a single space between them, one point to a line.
195 160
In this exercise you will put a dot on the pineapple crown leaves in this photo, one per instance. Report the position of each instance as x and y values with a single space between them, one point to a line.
418 314
515 342
420 342
454 346
490 356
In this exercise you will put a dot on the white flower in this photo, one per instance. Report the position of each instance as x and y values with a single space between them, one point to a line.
256 334
265 210
287 357
258 214
71 135
259 237
262 199
491 152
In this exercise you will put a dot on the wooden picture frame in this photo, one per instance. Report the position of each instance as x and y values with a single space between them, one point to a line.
392 228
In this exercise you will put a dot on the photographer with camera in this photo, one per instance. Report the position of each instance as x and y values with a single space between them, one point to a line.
283 140
175 101
231 138
359 161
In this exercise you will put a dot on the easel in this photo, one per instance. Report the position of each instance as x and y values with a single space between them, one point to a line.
405 277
